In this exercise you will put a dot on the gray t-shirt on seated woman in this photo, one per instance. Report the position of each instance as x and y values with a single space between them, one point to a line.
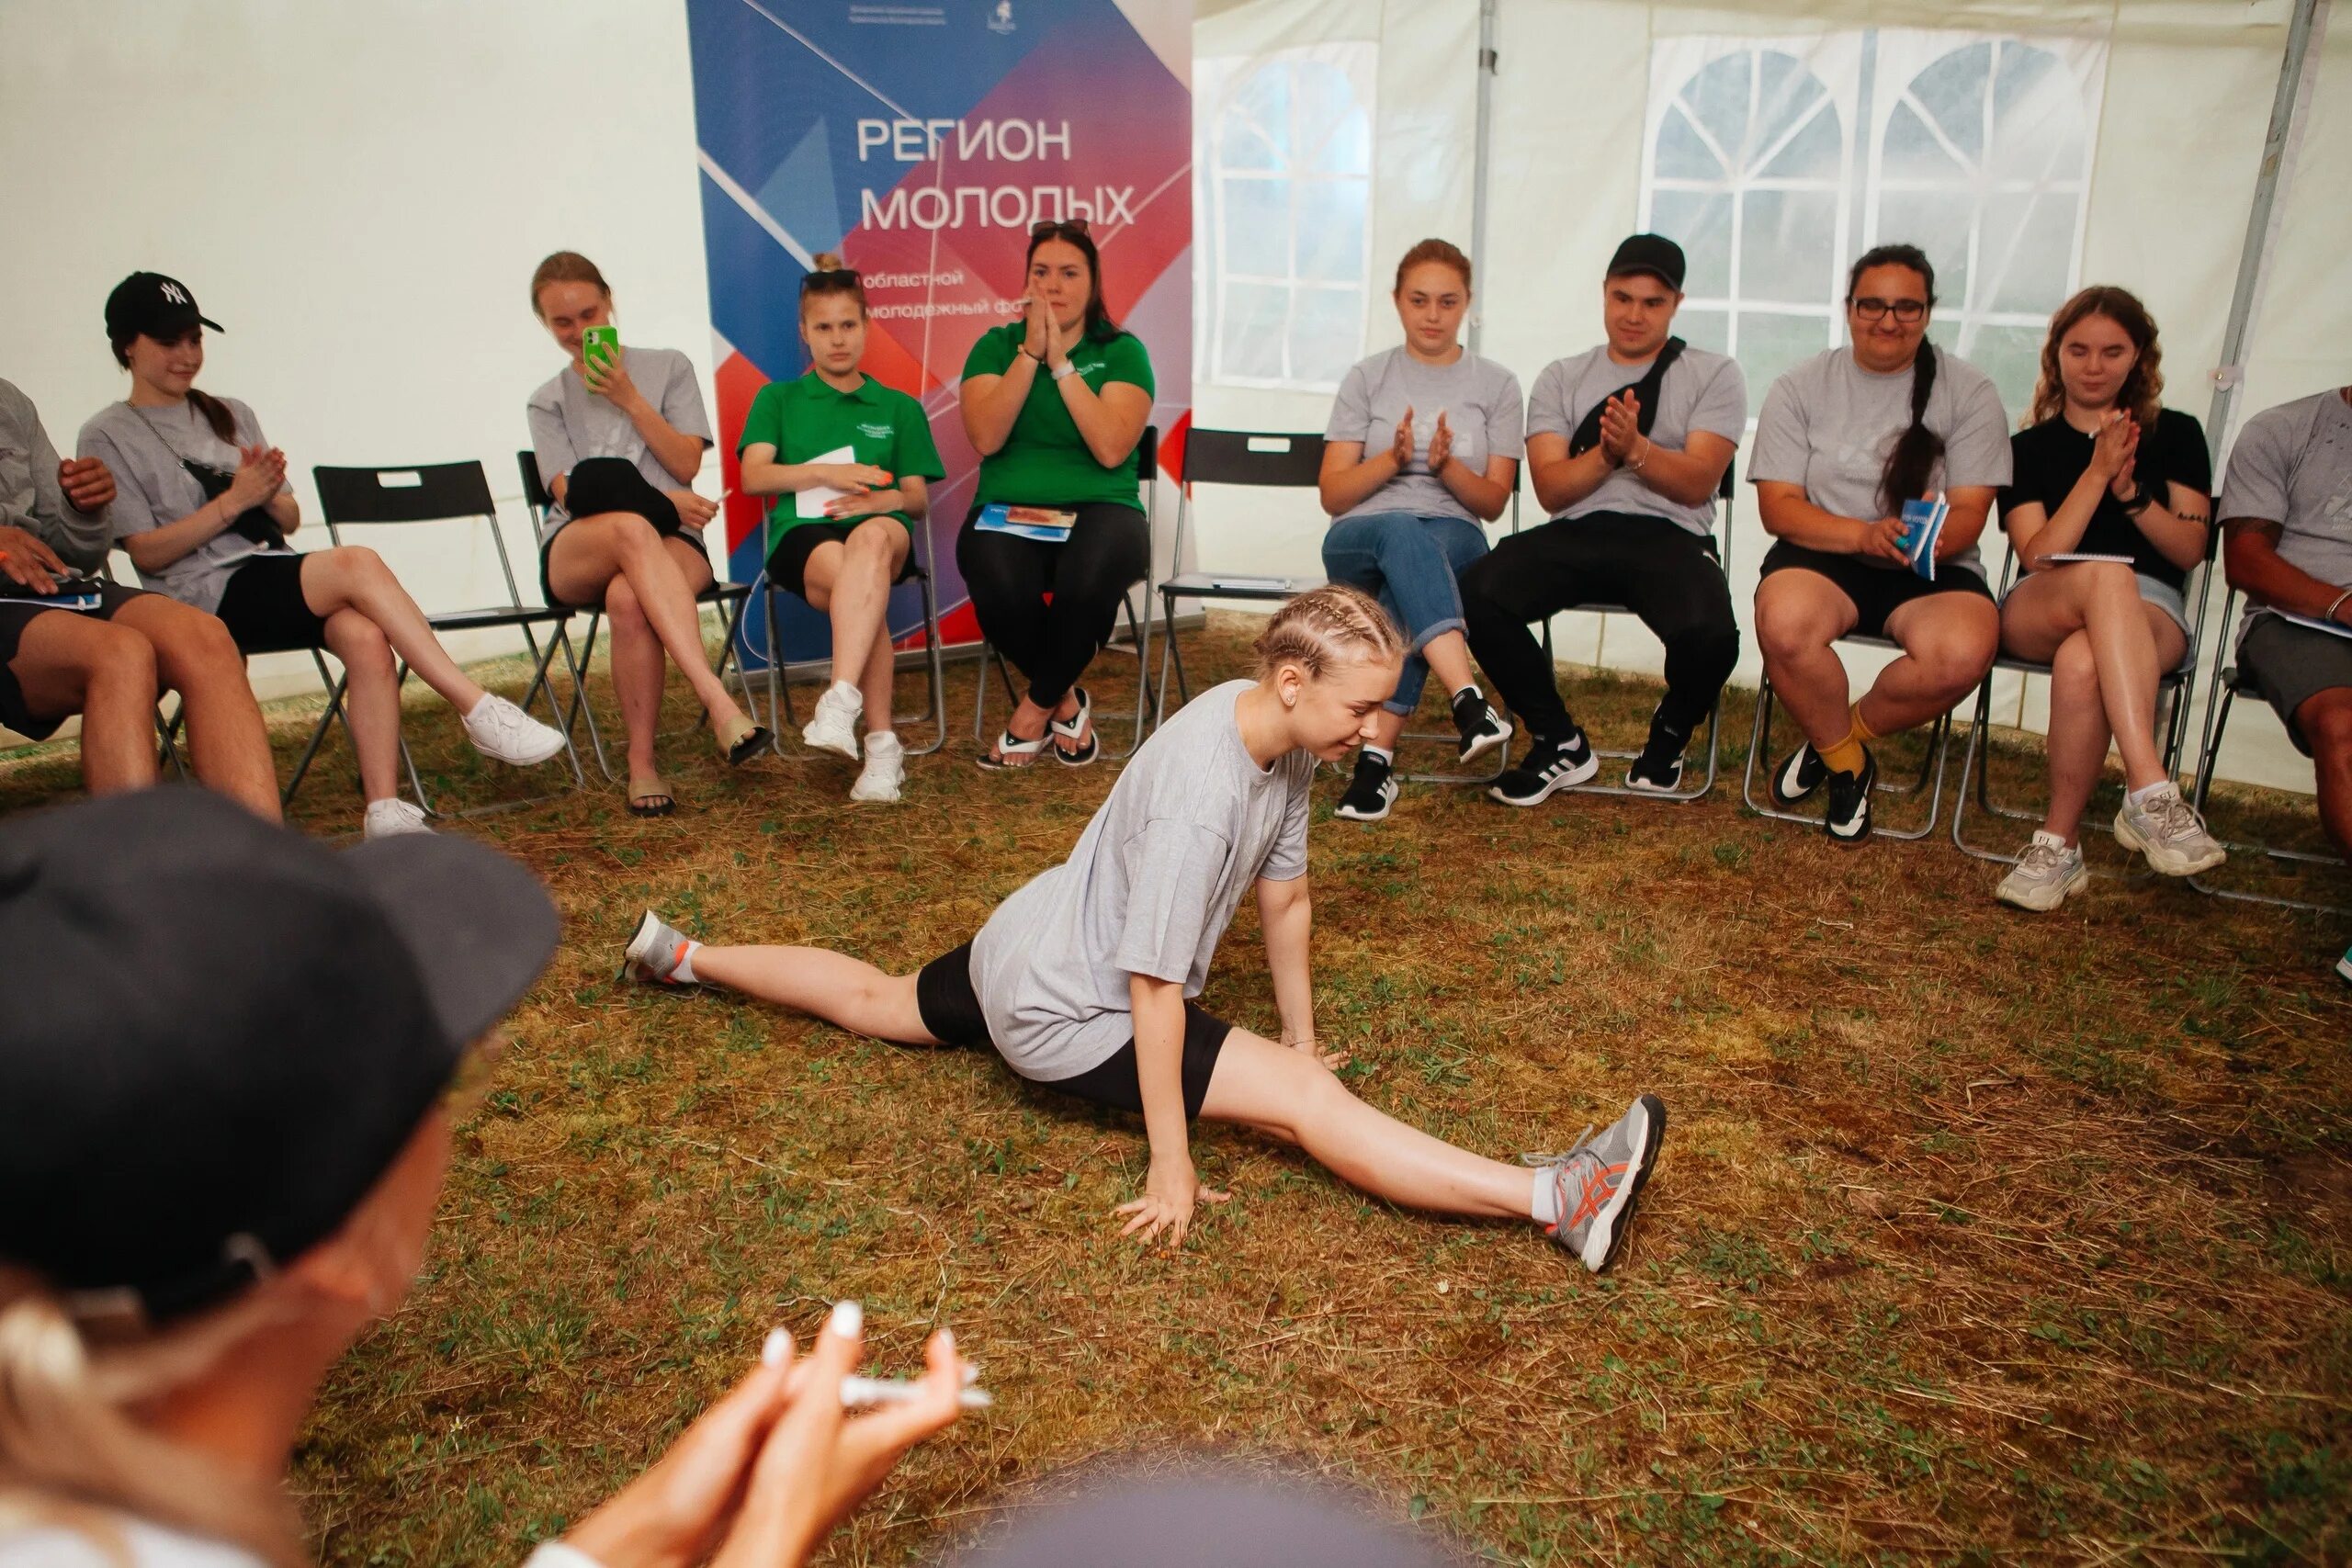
570 423
145 448
1828 425
1482 405
1192 824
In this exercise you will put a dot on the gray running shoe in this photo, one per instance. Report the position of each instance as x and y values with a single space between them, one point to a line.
1594 1185
653 953
2045 874
2165 828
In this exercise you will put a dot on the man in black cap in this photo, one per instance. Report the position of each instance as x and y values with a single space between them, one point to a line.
1627 445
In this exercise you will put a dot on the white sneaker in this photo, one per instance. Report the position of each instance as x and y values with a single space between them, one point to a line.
498 729
885 770
835 726
390 818
2165 828
2045 875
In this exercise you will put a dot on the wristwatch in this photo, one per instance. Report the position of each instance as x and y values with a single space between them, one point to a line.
1069 367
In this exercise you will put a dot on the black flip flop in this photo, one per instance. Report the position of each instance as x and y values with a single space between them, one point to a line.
652 803
754 742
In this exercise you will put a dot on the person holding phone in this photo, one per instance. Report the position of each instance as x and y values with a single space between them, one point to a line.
1422 451
618 436
1055 403
838 429
71 642
1846 438
2103 470
203 509
1084 980
238 1165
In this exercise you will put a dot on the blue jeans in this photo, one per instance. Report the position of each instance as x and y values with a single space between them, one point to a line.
1409 564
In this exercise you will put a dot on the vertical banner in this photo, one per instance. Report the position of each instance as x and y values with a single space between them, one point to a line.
921 141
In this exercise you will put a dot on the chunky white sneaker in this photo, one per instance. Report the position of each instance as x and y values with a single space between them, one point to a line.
2165 828
835 726
885 770
2045 875
500 730
390 818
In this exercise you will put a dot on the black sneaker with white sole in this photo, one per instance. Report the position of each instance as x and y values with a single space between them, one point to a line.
1798 775
1658 770
1551 767
1849 822
1481 728
1371 793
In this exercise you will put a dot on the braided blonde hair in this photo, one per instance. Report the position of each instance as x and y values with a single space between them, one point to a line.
1324 626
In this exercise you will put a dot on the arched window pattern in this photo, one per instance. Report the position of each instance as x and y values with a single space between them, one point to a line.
1747 166
1982 159
1282 195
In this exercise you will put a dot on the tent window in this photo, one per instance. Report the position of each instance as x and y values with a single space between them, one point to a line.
1775 161
1282 200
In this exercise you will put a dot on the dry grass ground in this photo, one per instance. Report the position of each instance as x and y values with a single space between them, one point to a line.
1976 1235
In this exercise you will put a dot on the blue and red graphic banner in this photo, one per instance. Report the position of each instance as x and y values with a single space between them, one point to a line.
920 140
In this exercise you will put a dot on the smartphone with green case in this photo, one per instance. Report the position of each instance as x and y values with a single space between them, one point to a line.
600 345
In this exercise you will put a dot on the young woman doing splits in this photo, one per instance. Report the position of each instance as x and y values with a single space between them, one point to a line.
1084 979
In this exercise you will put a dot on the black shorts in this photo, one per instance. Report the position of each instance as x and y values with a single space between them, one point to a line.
788 562
15 615
264 608
2290 665
1877 591
598 485
951 1012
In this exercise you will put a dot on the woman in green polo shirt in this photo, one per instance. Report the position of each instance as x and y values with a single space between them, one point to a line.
1056 402
853 456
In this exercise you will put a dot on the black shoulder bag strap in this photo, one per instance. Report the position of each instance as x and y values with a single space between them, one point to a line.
1588 434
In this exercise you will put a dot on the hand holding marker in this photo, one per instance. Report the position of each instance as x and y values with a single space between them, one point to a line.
865 1393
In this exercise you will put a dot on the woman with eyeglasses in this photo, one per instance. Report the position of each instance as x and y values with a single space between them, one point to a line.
618 439
863 453
1422 451
1845 439
203 507
1056 402
2111 510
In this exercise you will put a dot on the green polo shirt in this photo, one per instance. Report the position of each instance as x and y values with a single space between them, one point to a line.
1045 461
804 419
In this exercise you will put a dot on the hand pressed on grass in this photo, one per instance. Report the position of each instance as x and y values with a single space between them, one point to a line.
1169 1192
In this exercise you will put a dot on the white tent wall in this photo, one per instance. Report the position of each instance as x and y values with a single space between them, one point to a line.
2182 112
359 193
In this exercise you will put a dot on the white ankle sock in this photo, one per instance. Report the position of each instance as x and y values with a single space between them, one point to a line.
1383 753
684 973
1544 1207
848 690
2141 797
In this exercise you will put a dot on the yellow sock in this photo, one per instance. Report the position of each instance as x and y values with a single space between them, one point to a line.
1863 732
1846 757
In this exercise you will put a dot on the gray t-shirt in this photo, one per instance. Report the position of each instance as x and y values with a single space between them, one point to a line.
1828 425
1482 406
145 448
569 423
1192 824
30 497
2293 466
1700 390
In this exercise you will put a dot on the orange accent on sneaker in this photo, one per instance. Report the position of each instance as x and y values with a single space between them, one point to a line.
1596 1194
677 957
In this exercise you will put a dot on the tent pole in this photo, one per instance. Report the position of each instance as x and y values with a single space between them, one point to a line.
2288 109
1479 159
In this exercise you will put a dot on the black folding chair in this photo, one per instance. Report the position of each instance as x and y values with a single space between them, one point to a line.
1138 627
2229 680
2172 695
732 598
1722 542
1257 458
934 712
446 493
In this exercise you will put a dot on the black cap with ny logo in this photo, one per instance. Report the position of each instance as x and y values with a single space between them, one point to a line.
158 306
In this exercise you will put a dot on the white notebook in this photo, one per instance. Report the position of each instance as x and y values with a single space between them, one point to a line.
812 502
